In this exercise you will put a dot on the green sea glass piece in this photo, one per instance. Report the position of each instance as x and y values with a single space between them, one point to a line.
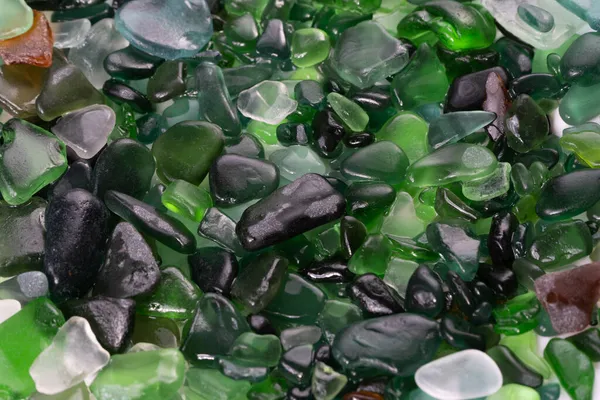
210 384
326 382
151 375
536 17
512 391
580 104
30 159
380 161
584 143
452 163
409 132
457 26
525 348
186 199
22 338
256 350
16 19
518 315
402 219
489 187
452 127
310 46
458 245
573 368
422 81
349 112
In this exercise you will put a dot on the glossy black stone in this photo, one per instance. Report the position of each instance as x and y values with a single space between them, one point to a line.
167 82
299 250
131 64
124 94
219 228
111 319
538 86
78 176
500 279
76 233
328 133
499 240
522 238
310 201
126 166
377 102
482 292
299 393
129 268
329 270
260 324
273 42
468 92
337 184
365 199
293 133
373 296
358 140
459 333
152 222
482 314
244 145
352 234
424 293
461 293
309 93
71 4
514 370
323 353
213 269
296 364
466 62
515 57
237 179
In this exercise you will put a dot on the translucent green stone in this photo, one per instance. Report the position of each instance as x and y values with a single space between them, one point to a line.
536 17
452 163
349 112
513 391
573 368
361 6
585 144
240 7
336 315
521 179
560 244
518 315
30 159
22 338
257 350
409 132
296 161
380 161
580 104
569 195
151 375
186 199
398 273
525 348
174 297
16 18
21 237
588 342
310 46
579 64
402 219
458 245
326 383
526 124
372 257
366 53
494 185
422 81
457 26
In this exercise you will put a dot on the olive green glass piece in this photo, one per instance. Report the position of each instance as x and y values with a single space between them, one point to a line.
422 81
525 348
573 368
310 46
187 150
518 315
326 382
489 187
512 391
349 112
380 161
256 350
175 297
186 199
151 375
585 144
527 126
458 26
30 158
409 132
560 244
452 163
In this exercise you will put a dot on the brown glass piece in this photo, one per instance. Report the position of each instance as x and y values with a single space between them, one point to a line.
362 396
569 296
497 101
34 47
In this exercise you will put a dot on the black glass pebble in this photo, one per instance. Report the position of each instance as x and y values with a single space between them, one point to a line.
358 140
245 145
458 333
424 293
329 270
273 42
122 93
260 324
213 269
78 176
499 278
374 296
293 133
499 240
513 369
328 133
167 82
131 64
367 199
352 234
468 92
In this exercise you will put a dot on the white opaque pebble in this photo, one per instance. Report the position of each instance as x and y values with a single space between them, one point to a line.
467 374
8 308
86 131
73 355
268 102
